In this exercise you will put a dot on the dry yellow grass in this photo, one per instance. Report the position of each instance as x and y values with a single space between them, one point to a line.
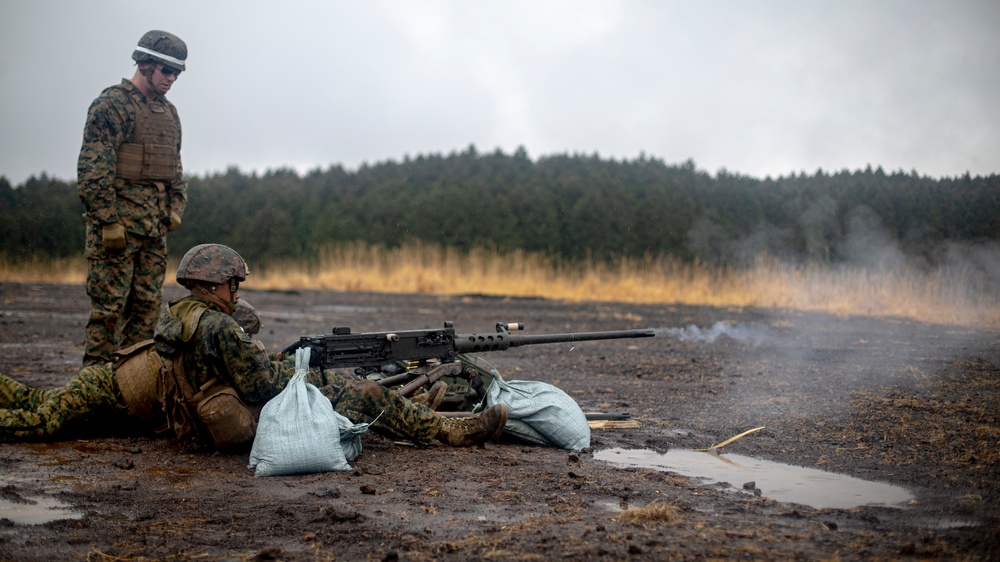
419 268
61 270
651 514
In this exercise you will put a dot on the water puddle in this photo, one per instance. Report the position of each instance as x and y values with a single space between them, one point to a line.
781 482
35 511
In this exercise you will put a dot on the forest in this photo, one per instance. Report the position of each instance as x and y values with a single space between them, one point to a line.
568 207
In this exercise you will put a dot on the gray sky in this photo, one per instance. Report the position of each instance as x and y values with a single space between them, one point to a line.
756 87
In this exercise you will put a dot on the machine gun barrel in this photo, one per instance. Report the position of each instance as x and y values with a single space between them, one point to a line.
471 343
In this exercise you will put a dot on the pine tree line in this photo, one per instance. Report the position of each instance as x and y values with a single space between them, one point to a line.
570 207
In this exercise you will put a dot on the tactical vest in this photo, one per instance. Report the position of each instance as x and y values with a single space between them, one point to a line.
213 413
152 154
157 392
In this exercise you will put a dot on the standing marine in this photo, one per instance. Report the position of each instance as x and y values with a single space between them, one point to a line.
132 186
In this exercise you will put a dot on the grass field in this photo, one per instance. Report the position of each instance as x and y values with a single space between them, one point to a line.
939 296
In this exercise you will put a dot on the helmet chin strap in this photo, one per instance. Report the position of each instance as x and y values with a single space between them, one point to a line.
147 74
227 307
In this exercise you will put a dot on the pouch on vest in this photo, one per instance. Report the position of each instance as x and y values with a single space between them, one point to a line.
137 369
225 418
215 413
146 162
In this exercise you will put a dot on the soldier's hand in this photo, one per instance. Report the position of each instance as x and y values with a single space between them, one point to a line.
315 355
113 237
174 222
290 350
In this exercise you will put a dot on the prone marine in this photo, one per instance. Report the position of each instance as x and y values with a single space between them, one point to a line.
201 355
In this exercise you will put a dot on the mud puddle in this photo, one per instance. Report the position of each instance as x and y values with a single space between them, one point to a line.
781 482
34 511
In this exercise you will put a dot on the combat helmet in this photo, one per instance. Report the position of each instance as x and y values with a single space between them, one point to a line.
211 263
162 47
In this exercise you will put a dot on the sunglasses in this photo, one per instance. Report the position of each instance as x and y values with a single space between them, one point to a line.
168 71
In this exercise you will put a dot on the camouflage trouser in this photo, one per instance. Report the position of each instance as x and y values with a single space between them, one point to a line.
21 396
361 401
125 290
32 414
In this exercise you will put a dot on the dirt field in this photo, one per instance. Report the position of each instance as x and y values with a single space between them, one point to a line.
885 401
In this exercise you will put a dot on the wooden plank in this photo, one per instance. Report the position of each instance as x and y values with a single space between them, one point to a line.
613 424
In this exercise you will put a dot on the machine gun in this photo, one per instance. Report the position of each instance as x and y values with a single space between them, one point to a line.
427 355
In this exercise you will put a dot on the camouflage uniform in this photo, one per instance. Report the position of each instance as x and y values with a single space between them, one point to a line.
212 345
32 414
125 287
94 396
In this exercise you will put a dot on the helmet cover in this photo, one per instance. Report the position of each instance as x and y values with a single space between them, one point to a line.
211 263
162 47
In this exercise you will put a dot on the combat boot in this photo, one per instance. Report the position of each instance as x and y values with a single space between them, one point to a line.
475 429
433 397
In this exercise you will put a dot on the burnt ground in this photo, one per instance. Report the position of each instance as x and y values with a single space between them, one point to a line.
885 400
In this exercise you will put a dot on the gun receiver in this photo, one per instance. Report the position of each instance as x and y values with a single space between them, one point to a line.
341 348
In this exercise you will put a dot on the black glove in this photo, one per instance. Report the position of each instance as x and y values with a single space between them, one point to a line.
290 350
315 355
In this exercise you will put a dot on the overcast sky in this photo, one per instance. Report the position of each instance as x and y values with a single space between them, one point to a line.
755 87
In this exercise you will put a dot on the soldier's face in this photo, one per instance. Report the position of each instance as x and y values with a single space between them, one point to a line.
162 79
230 290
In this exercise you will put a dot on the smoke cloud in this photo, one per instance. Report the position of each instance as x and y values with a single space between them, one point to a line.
749 335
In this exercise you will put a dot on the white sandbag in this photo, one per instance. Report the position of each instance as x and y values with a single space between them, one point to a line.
350 436
540 413
525 432
299 432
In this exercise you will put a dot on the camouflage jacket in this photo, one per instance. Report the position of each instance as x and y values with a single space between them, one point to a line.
139 206
211 344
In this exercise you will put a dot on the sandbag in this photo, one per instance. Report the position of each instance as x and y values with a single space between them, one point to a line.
300 433
540 413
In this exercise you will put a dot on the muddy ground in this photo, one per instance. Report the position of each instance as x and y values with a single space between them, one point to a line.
891 401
